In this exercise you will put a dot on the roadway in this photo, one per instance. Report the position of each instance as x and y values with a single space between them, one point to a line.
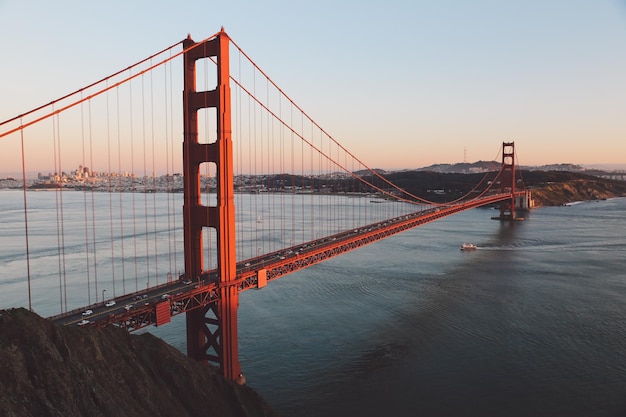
157 304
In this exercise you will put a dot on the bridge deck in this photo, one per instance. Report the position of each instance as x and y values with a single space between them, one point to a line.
149 307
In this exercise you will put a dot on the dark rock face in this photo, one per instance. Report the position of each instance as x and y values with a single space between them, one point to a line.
48 370
557 194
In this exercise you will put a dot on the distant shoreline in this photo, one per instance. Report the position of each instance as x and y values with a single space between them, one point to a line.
549 188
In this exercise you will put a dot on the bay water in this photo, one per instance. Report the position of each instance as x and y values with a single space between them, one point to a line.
533 323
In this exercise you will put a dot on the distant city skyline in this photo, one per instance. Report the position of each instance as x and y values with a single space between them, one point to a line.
402 85
33 174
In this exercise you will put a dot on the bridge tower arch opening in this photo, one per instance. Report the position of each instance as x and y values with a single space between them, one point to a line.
211 329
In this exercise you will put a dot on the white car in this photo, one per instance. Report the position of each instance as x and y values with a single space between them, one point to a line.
128 307
87 313
83 322
109 303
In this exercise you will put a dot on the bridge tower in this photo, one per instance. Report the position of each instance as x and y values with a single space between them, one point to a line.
211 329
507 181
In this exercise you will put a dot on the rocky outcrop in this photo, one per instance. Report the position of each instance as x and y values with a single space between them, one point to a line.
556 188
563 193
49 370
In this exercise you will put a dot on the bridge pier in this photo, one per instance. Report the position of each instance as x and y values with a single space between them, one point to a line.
525 202
212 329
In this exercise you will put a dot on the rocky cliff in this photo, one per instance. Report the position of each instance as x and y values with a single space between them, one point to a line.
48 370
563 193
556 188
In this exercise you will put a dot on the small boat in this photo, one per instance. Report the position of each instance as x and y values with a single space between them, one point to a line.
468 246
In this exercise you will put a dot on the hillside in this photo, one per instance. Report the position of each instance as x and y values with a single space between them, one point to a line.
555 188
48 370
550 188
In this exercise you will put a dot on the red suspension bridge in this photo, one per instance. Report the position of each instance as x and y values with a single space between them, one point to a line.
265 192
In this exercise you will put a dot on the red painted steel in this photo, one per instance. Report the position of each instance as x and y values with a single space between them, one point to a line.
261 276
507 182
163 315
256 272
211 303
211 330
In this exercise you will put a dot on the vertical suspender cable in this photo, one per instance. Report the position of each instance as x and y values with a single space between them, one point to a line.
266 174
173 195
120 191
145 179
270 169
282 171
321 201
332 201
239 242
285 169
85 211
352 190
242 254
302 178
253 157
315 196
167 168
258 154
60 217
154 184
56 201
93 209
110 192
293 187
133 191
252 183
30 298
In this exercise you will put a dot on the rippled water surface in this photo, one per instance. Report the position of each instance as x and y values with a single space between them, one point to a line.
533 323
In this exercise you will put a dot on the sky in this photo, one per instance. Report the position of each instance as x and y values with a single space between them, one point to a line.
401 84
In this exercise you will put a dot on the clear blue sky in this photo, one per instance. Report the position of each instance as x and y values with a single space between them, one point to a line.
402 84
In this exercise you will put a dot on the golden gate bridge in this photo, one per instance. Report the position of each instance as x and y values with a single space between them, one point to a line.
266 192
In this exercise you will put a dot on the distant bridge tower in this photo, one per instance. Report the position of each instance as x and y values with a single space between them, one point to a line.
211 329
507 181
